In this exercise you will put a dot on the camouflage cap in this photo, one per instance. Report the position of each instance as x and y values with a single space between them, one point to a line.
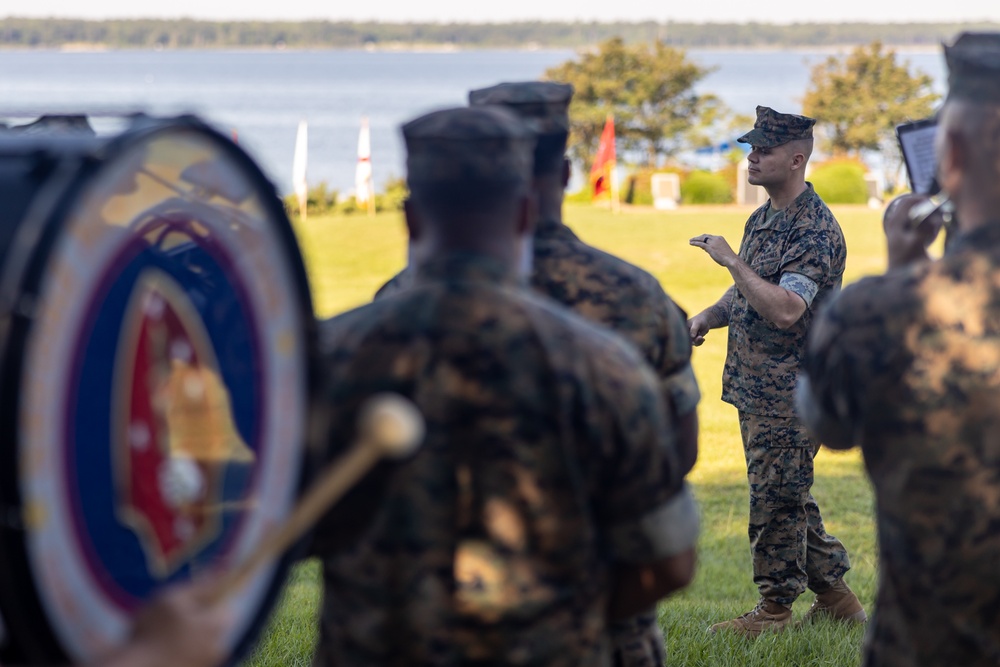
544 105
773 128
974 67
468 144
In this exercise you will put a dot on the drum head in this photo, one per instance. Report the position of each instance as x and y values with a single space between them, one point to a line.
159 364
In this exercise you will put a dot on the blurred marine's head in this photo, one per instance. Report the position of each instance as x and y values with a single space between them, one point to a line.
469 173
969 127
544 107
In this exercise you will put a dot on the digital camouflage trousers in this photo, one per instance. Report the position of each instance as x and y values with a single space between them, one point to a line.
790 548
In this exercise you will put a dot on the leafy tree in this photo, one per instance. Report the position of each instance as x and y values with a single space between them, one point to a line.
650 92
860 98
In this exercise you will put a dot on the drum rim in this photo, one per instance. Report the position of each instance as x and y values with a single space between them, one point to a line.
39 230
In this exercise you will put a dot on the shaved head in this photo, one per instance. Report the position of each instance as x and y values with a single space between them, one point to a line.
968 148
804 146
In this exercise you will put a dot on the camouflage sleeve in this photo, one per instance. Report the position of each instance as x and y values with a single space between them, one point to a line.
670 529
643 508
342 398
809 253
846 346
393 285
823 390
674 368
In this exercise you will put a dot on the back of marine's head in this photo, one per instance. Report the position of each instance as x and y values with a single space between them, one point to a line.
544 107
464 159
969 125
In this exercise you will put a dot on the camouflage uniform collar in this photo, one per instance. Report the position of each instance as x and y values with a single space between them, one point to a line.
548 228
464 267
802 199
983 237
789 212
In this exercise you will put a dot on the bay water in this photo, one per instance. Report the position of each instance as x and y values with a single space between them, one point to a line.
260 96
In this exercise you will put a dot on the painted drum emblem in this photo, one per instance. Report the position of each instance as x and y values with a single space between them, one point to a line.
176 436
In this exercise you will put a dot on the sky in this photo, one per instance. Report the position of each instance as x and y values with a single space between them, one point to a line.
775 11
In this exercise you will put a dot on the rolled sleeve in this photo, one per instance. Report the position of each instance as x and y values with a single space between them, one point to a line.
809 253
802 285
674 364
668 530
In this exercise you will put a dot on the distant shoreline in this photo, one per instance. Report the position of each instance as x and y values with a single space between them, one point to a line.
902 49
87 35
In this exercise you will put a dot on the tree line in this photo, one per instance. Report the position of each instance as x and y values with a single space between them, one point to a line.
188 33
858 98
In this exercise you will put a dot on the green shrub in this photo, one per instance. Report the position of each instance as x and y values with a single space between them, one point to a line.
349 206
639 189
324 201
582 196
705 187
840 182
395 194
320 200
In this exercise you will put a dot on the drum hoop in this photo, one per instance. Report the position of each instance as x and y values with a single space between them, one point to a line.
20 287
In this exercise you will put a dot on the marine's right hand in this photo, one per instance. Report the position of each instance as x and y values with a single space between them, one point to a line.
906 239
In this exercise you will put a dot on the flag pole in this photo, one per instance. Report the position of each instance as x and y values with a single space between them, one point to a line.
616 204
299 182
364 192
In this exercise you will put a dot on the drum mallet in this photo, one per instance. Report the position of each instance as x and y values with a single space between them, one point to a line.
389 426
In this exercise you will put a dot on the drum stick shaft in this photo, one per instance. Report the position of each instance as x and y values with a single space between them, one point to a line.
390 426
335 481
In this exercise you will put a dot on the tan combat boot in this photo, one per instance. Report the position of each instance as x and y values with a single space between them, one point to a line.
767 615
839 603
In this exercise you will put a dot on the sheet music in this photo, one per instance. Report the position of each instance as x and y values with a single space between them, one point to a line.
917 145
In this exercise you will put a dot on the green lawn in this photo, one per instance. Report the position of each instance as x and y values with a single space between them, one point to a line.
349 257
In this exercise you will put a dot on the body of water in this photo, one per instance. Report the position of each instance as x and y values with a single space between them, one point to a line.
262 95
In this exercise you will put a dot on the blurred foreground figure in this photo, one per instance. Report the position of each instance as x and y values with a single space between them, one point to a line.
791 259
184 626
907 366
547 497
605 289
911 223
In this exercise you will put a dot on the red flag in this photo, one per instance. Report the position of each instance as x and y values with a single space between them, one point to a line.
604 161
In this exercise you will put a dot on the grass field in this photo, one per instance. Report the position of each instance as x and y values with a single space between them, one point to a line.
349 257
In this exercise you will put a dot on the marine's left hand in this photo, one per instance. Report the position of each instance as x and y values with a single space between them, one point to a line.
717 248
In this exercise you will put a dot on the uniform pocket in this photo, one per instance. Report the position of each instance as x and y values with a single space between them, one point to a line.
767 265
779 464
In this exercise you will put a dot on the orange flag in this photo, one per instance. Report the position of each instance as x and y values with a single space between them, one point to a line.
604 161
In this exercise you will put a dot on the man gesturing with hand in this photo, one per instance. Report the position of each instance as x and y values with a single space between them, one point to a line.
791 259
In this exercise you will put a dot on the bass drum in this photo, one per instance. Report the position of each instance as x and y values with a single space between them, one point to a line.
157 349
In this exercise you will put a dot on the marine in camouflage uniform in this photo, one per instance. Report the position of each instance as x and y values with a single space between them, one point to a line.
601 288
790 260
907 365
605 289
549 461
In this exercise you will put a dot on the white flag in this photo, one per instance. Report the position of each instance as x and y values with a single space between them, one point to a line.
363 174
299 165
